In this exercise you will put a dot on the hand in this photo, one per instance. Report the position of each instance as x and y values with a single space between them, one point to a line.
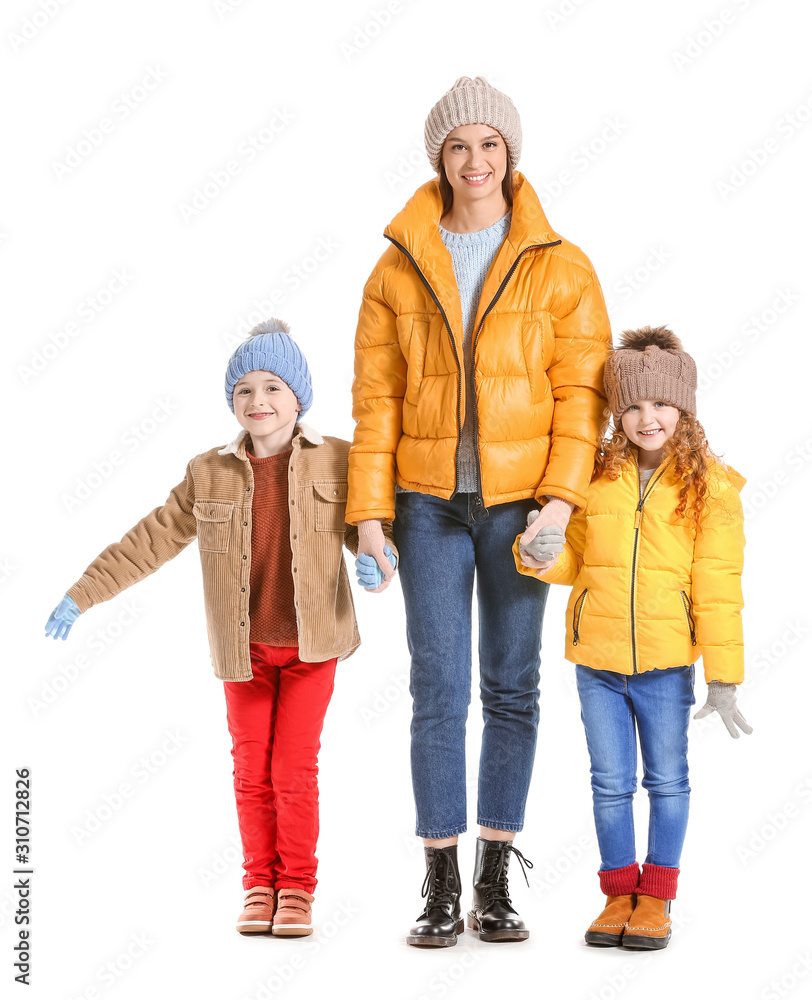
62 618
555 513
371 542
369 574
722 699
547 545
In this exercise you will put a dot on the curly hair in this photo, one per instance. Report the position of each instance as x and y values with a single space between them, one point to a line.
688 445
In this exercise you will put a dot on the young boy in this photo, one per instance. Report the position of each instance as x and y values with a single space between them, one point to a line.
268 514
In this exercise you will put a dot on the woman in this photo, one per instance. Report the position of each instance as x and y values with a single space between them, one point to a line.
477 395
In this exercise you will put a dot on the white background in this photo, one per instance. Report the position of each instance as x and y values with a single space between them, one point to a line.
687 186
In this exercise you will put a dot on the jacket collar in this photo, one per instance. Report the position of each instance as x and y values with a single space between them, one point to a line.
302 432
416 229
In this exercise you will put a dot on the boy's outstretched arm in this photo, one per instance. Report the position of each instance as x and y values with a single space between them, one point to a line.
156 539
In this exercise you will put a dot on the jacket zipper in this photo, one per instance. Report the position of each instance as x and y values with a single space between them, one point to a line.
637 518
691 623
577 611
480 511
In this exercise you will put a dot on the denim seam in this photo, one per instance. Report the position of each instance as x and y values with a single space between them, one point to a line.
442 834
498 824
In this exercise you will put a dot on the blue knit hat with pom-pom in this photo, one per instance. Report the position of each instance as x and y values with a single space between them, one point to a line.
270 348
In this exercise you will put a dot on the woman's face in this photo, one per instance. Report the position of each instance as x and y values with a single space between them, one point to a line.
475 161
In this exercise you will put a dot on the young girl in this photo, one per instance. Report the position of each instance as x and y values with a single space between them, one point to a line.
655 561
268 514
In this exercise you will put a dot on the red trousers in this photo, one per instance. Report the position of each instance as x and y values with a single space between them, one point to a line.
275 721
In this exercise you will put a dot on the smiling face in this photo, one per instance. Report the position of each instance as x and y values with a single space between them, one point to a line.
649 424
475 161
267 408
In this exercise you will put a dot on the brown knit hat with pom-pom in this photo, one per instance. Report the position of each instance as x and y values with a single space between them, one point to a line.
650 364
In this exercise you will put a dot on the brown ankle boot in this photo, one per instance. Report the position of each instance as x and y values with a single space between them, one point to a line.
257 914
619 885
607 928
292 917
649 926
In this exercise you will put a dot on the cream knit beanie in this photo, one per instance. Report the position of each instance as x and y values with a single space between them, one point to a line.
650 364
470 102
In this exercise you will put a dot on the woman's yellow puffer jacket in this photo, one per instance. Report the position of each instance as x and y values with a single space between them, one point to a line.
541 336
648 590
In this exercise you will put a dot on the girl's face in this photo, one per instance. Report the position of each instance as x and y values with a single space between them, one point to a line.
266 407
475 161
649 424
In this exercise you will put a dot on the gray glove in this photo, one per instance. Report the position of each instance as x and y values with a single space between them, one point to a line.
722 699
547 544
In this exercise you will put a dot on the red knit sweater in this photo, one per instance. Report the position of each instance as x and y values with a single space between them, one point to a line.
273 615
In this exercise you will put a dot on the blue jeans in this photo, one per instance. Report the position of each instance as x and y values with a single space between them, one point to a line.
658 704
441 548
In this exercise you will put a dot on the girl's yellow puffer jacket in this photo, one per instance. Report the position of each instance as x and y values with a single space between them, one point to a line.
541 336
648 590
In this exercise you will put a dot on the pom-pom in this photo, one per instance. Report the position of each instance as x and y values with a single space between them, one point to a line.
647 336
271 325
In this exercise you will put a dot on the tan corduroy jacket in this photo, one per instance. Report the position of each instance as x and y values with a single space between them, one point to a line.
213 504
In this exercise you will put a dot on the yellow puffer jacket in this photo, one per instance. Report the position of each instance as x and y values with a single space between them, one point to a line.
648 590
541 336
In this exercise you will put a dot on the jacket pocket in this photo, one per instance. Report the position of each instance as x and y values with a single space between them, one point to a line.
331 505
213 525
688 609
577 611
536 336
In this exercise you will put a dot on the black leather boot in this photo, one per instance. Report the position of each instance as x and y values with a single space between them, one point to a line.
492 915
440 922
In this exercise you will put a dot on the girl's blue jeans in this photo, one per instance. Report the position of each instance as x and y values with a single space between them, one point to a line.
441 551
657 705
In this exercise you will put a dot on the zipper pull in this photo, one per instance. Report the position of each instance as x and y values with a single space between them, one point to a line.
575 638
637 515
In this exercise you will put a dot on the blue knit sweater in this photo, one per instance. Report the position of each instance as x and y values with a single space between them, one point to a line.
472 255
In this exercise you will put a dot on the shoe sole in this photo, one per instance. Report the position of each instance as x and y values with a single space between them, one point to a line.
645 943
603 939
473 923
288 930
254 927
430 941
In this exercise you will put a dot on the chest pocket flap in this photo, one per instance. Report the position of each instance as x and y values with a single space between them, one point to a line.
331 505
213 524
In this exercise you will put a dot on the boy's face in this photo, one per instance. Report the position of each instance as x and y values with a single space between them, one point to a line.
266 407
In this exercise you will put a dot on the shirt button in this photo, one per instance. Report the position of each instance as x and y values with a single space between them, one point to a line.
242 624
242 590
335 493
248 489
294 569
295 537
245 524
245 557
293 503
211 512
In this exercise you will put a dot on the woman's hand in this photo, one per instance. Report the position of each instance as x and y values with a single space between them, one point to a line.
371 542
554 515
